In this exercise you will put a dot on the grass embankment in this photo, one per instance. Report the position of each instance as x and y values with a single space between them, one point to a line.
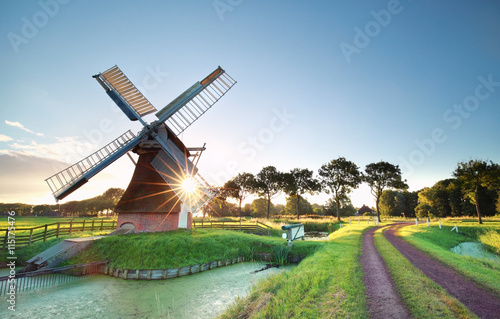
328 284
24 253
416 289
181 248
438 242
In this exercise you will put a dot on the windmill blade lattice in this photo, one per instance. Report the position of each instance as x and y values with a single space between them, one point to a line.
124 93
68 180
194 102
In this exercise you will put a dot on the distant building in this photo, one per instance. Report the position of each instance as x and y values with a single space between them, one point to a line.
365 209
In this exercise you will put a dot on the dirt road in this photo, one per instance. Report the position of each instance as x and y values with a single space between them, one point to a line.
383 298
479 300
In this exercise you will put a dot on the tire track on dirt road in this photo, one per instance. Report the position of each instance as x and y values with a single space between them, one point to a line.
479 300
382 296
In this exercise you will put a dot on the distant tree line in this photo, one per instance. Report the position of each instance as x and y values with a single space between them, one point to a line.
103 204
337 177
474 190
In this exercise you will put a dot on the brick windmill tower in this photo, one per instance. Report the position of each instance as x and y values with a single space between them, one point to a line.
166 188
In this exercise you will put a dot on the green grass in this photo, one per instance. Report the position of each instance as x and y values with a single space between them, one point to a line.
491 240
181 248
416 289
30 221
437 243
328 284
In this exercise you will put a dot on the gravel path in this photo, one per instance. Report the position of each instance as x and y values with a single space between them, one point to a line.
478 300
383 298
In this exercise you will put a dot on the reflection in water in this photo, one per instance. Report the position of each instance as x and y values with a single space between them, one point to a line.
202 295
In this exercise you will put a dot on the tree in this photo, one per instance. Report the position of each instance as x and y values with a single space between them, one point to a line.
298 182
391 203
339 177
346 208
245 184
477 174
291 206
259 207
229 190
380 176
269 183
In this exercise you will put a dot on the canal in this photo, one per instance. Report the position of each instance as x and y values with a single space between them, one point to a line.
202 295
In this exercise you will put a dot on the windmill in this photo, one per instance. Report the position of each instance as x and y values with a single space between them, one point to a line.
165 188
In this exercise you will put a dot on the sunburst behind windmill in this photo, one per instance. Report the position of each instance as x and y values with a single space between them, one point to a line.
166 188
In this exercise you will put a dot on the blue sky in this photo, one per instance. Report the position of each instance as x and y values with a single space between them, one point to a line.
414 83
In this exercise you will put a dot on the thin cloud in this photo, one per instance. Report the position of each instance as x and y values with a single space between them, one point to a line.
19 125
5 138
66 149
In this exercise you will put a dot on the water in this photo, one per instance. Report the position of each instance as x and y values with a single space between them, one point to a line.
316 235
202 295
475 250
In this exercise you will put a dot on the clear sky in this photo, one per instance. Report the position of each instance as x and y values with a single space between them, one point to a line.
414 83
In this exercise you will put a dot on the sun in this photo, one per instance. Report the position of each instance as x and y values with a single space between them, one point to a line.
189 185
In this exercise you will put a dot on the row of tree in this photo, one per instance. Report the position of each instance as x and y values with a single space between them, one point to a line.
337 177
258 208
104 203
474 188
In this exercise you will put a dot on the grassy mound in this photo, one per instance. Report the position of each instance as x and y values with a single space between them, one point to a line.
181 248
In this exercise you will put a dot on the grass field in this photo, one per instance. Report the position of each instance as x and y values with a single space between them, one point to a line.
29 221
328 283
438 242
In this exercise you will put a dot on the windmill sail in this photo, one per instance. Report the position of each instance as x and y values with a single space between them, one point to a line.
174 175
70 179
124 93
195 101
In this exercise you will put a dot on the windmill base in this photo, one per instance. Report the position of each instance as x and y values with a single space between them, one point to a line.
152 222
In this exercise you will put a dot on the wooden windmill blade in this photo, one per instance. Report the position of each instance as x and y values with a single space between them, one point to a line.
124 93
73 177
195 101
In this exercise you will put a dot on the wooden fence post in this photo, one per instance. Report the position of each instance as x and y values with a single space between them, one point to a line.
5 239
93 224
57 232
83 227
70 226
45 233
31 236
102 223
